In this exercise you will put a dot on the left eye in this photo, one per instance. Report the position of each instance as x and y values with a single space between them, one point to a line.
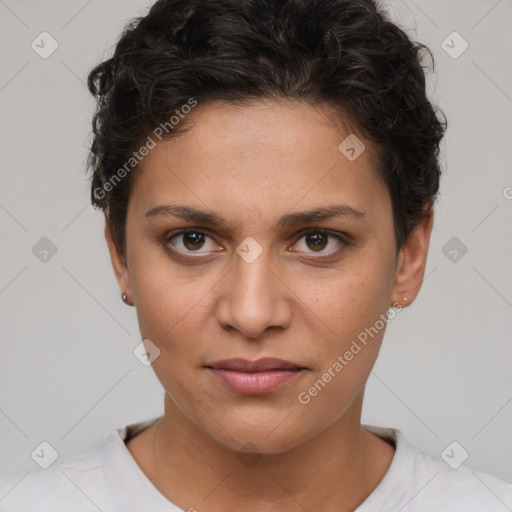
317 241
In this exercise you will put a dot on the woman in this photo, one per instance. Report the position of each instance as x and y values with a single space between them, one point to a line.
268 172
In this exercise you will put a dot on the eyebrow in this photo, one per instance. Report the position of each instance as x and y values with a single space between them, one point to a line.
202 217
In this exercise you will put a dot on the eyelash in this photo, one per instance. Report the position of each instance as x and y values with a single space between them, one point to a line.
181 254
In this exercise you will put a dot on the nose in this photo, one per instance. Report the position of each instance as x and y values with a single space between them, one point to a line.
254 298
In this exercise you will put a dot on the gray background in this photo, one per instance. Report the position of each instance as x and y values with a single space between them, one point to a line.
68 373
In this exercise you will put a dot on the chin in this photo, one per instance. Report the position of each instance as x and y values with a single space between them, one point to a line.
269 434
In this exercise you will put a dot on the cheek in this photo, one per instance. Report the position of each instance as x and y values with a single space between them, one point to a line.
346 300
356 318
169 305
169 315
330 393
159 283
346 310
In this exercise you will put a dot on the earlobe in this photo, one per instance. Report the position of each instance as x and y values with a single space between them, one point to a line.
119 264
412 261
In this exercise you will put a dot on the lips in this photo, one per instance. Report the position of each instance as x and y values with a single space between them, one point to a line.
254 377
260 365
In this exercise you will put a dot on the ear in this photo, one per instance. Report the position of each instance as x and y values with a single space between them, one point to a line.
119 263
412 260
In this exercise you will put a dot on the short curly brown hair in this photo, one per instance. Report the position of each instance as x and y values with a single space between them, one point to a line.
345 54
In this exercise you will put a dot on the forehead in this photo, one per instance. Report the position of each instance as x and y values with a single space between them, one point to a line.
263 157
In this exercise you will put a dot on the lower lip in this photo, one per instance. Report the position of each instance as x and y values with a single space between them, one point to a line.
254 382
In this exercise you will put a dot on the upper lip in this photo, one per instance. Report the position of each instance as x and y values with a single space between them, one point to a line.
244 365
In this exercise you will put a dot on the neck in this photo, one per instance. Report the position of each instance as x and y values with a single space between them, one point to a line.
336 470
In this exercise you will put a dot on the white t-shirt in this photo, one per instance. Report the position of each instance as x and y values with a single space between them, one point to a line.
106 478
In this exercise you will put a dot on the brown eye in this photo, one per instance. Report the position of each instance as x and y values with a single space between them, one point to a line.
192 240
317 240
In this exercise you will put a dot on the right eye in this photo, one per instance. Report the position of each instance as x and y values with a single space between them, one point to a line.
190 241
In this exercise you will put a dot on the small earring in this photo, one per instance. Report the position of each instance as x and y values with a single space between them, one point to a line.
125 298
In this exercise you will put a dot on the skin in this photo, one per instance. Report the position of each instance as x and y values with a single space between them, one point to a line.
251 165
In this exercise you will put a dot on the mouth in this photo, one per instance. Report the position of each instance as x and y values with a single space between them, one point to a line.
254 377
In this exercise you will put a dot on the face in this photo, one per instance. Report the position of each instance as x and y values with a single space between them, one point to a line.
259 274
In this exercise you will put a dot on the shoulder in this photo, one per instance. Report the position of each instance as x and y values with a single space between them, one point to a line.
422 482
444 483
71 483
105 477
441 487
